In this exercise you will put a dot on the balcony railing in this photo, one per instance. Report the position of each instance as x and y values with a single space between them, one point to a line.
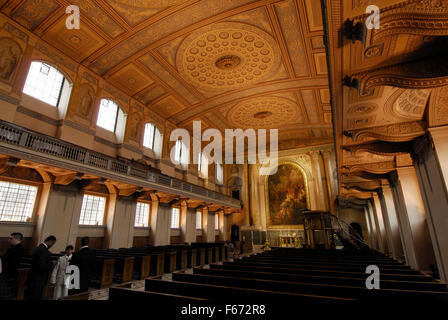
15 135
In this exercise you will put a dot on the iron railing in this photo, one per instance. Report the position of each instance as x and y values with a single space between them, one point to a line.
17 136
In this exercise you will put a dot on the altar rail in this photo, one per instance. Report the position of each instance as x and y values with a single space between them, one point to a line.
17 136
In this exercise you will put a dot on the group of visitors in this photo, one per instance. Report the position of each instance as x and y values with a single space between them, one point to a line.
41 267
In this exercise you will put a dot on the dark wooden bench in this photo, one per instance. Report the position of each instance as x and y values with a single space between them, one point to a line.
397 277
357 282
123 269
321 267
103 273
77 297
392 264
309 288
22 276
154 298
142 261
216 293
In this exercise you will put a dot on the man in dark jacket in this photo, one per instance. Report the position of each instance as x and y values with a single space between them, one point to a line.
84 259
10 264
12 257
41 265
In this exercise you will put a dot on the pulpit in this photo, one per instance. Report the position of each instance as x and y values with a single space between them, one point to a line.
319 232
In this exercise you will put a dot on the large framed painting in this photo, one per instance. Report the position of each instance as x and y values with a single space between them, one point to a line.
287 196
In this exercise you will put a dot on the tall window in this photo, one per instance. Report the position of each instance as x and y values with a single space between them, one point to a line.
178 151
45 83
219 173
16 201
92 211
142 215
175 218
108 115
150 135
203 165
198 220
216 221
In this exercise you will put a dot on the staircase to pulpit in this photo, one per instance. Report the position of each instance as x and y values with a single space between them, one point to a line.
325 230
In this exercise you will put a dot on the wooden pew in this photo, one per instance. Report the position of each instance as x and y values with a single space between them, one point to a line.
200 257
391 263
397 277
123 269
309 288
192 260
142 261
103 273
77 297
21 282
357 282
319 267
153 298
170 261
216 293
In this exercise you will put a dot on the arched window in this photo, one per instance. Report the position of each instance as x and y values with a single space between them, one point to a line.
47 84
203 165
181 154
219 173
108 115
151 136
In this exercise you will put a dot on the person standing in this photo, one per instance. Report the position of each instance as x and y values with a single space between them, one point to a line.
10 262
41 266
84 259
12 257
59 276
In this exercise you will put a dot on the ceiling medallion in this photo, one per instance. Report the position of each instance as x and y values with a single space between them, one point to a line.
264 113
226 56
228 62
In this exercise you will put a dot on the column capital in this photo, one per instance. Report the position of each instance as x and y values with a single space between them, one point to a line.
439 132
421 148
314 154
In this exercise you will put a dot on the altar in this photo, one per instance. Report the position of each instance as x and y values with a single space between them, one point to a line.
286 238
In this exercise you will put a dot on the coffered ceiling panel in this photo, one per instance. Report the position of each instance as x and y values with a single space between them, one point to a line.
31 13
78 44
130 79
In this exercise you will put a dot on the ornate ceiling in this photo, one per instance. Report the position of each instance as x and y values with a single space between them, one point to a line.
228 63
388 84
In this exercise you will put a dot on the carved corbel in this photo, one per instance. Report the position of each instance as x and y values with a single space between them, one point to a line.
381 148
421 149
430 72
417 17
175 202
68 179
359 188
368 169
354 31
399 132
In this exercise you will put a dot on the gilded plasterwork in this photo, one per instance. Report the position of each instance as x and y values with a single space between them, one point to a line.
264 112
227 56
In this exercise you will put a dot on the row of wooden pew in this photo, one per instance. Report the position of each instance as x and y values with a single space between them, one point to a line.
127 264
293 275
